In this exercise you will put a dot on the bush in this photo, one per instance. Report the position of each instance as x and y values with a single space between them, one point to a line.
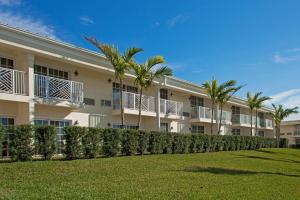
155 145
73 136
45 139
129 142
180 143
111 142
1 140
142 142
91 142
284 143
20 138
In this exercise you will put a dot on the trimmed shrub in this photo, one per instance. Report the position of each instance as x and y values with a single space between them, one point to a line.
73 136
91 142
155 145
142 142
111 142
284 143
166 142
193 143
20 139
180 143
45 138
129 142
1 140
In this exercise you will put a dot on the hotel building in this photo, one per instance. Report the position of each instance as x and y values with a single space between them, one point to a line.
45 81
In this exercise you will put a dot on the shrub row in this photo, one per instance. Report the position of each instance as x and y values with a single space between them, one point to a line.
81 142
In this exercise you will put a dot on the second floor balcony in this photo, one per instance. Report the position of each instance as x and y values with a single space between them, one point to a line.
203 114
57 89
171 108
12 81
245 120
131 102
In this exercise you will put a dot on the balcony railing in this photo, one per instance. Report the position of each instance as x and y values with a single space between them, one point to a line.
205 113
268 123
12 81
242 119
169 107
58 89
132 101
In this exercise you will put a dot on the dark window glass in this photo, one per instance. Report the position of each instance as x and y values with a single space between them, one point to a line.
164 94
89 101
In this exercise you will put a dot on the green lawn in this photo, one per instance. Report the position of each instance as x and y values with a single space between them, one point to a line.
262 174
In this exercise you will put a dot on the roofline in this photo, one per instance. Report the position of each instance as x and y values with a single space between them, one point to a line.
27 33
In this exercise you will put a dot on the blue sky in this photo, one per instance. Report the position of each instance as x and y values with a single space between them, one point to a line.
255 42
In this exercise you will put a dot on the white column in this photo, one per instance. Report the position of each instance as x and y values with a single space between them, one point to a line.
158 108
30 87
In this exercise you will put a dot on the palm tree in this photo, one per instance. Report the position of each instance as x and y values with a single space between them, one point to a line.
280 114
252 101
120 62
258 105
226 91
212 90
145 74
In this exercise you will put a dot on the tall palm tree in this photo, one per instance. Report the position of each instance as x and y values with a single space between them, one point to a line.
258 105
121 63
226 91
252 101
146 73
280 114
212 90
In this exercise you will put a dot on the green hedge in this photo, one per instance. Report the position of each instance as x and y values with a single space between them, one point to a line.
45 140
1 140
81 142
73 137
20 142
91 142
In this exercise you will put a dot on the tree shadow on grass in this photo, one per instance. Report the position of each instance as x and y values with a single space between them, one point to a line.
224 171
271 159
266 151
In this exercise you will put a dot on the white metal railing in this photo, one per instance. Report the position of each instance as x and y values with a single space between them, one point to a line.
12 81
170 107
297 132
59 89
201 112
132 101
268 123
242 119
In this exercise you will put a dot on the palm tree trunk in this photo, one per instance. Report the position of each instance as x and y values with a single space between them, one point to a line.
251 126
278 134
220 120
140 109
121 103
212 119
256 112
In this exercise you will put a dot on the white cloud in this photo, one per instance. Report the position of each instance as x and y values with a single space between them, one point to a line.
277 58
10 2
177 19
27 23
289 99
84 20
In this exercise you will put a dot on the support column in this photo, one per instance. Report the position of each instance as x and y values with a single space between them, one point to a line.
158 108
30 87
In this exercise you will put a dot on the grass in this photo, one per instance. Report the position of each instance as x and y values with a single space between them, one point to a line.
262 174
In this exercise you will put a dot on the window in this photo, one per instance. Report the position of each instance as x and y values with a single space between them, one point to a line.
235 110
6 122
197 129
164 127
127 126
95 120
105 103
89 101
261 133
164 94
45 71
236 131
132 89
186 114
7 63
196 101
289 134
59 125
